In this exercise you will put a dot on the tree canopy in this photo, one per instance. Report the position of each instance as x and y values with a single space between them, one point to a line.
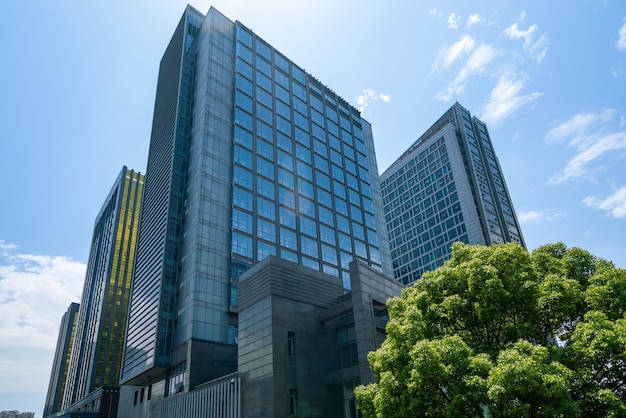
500 332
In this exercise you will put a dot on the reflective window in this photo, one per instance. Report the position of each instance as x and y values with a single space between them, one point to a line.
264 97
305 188
244 52
283 110
242 156
326 216
242 177
266 208
298 74
243 101
242 245
264 113
329 254
345 242
306 206
285 178
263 50
244 68
266 230
285 160
341 206
308 226
264 149
282 63
242 221
265 249
309 247
264 66
289 239
266 132
242 118
287 217
305 171
286 198
265 188
242 198
324 198
281 79
243 137
265 168
327 235
343 224
263 81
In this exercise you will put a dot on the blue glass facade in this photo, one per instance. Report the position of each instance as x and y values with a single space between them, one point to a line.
447 187
275 164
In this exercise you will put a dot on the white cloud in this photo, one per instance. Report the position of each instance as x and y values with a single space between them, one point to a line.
506 98
453 21
592 137
621 41
614 204
447 55
578 127
473 19
476 63
535 44
539 216
587 153
369 96
35 291
433 11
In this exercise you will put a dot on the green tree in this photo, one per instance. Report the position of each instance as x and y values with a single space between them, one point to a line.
499 332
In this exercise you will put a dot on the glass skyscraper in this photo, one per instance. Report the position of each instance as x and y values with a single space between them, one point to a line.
60 365
101 324
250 156
447 187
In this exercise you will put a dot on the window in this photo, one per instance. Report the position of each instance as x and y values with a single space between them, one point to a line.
293 401
291 343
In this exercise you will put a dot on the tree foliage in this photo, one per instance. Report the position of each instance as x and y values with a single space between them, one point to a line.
499 332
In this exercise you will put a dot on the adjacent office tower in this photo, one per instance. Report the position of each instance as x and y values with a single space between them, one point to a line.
101 325
448 186
250 156
61 362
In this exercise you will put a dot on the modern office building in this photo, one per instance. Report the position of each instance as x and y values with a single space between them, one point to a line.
249 157
60 365
101 323
448 186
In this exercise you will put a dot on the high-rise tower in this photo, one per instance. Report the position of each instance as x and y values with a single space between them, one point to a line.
101 324
250 156
448 186
60 365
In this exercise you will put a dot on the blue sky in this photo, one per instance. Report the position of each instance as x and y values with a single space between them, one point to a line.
77 91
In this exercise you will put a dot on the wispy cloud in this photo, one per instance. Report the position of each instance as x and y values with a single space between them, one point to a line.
506 98
434 12
614 204
453 21
448 54
35 291
539 216
593 137
580 127
473 19
535 43
506 72
369 96
621 41
476 63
